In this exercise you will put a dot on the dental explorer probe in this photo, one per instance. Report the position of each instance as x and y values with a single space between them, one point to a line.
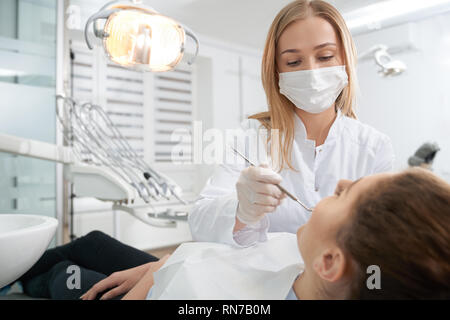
279 187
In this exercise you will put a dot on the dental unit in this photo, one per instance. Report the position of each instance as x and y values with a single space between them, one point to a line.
97 158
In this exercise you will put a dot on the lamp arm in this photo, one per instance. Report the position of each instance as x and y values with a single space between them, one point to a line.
98 33
372 50
192 35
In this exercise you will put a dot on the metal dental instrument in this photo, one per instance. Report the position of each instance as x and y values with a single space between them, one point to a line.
279 187
84 135
126 152
96 140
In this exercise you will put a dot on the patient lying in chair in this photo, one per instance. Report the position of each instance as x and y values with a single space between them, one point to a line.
384 236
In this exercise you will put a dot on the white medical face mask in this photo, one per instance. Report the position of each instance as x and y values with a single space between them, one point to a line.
313 90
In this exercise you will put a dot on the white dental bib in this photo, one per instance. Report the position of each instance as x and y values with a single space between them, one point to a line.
204 270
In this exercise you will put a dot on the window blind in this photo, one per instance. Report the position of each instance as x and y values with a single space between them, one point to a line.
121 92
173 114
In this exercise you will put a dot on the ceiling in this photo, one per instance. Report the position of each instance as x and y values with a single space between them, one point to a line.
244 22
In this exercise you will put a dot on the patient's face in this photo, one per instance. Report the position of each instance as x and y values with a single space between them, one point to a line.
319 233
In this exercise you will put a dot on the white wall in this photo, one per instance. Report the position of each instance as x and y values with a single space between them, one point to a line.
414 107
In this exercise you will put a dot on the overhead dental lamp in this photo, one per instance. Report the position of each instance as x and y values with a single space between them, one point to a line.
388 66
138 37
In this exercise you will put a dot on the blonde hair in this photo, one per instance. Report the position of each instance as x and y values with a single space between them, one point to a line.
279 118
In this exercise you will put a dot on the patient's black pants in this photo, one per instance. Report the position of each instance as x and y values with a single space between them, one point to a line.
97 255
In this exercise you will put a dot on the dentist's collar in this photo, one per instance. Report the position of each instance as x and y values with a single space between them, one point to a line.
300 130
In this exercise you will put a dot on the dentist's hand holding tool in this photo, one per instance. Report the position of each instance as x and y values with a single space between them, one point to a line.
257 193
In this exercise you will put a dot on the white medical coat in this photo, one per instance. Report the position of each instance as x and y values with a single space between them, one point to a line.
351 150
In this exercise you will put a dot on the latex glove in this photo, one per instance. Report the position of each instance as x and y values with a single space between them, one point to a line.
257 193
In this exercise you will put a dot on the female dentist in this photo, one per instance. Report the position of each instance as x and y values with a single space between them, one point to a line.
309 77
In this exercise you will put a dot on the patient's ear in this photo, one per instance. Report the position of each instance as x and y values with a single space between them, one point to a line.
330 264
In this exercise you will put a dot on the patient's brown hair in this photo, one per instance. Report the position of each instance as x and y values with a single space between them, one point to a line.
402 225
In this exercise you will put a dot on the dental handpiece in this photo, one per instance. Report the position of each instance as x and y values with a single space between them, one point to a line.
290 195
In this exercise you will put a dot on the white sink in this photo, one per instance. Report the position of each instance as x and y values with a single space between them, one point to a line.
23 240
